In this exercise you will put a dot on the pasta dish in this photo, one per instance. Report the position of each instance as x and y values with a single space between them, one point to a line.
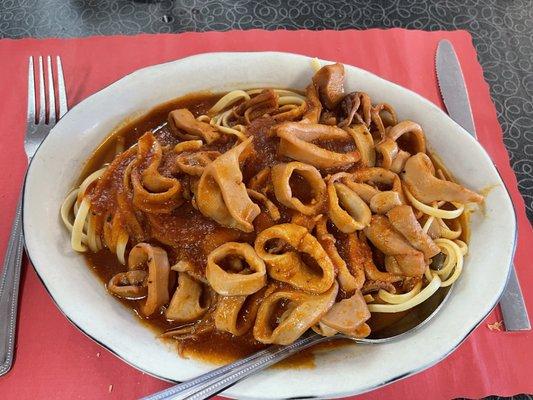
247 218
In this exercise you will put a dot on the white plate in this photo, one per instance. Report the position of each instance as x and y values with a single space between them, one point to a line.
340 372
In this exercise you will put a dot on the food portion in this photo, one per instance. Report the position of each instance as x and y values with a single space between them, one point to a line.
251 217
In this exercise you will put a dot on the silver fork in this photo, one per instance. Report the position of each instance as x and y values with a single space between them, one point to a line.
39 125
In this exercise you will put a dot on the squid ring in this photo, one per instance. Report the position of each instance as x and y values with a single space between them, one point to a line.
416 134
128 285
185 304
289 266
235 283
195 163
385 201
158 274
347 210
365 144
281 175
236 314
304 311
388 149
153 192
369 182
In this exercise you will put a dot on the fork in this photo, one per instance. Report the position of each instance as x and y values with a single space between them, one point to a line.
38 127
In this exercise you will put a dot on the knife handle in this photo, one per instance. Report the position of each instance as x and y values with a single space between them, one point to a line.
513 306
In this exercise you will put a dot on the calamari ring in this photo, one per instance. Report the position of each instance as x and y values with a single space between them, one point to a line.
184 125
260 181
296 143
419 177
377 178
390 242
415 132
128 285
385 201
227 315
314 106
281 175
348 316
399 161
272 209
365 144
304 311
403 219
289 266
236 314
158 275
377 119
153 192
324 330
189 145
163 202
365 191
191 269
239 283
185 304
388 149
195 163
347 210
348 281
360 256
221 193
126 209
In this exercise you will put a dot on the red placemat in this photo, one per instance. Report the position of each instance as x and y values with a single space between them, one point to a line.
55 360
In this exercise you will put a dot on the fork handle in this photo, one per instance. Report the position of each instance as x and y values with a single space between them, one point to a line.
207 385
9 289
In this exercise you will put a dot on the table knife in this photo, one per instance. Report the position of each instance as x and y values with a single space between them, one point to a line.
455 96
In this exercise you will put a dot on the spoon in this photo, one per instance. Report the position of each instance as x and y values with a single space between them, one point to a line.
383 330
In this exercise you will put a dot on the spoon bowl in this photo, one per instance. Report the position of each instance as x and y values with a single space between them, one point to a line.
386 327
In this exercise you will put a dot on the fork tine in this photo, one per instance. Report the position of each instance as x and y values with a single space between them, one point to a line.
63 107
51 94
42 104
31 92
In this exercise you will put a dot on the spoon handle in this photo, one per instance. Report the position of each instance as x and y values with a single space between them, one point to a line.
216 381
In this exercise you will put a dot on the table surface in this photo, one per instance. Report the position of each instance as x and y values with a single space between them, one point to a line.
501 31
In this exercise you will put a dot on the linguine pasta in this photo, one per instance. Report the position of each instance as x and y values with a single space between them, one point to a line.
271 212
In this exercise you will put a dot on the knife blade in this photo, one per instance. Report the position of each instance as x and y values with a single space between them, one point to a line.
455 96
452 87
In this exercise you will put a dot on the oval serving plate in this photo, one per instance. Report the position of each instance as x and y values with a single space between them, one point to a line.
343 371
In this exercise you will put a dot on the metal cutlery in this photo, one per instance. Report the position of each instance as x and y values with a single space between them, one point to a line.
455 96
39 125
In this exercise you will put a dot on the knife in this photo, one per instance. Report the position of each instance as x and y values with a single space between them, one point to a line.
455 96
